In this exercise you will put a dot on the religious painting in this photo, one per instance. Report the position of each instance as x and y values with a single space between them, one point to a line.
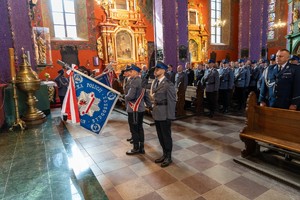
192 17
121 4
124 45
193 48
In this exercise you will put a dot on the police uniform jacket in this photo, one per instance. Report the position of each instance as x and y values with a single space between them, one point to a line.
164 100
62 85
241 77
181 78
134 91
126 84
211 80
254 76
281 88
226 78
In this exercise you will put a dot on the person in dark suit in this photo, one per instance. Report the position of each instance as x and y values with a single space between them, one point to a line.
164 96
62 85
135 108
281 83
170 74
199 73
190 73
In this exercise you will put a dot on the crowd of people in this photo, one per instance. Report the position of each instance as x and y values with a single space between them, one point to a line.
275 82
228 83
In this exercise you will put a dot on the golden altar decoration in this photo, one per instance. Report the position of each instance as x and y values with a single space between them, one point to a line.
27 81
198 35
122 37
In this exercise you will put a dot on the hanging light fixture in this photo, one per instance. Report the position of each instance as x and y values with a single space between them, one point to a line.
279 24
219 23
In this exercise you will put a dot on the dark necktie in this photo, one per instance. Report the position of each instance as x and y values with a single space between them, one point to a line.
156 83
279 68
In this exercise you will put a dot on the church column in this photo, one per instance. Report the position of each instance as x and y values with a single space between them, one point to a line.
171 32
253 33
16 32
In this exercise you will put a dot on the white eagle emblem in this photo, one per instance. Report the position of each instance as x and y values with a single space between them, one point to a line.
88 103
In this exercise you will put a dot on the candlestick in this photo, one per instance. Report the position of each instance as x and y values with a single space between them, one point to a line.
12 63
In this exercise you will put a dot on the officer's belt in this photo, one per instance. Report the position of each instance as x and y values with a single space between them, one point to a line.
160 103
210 83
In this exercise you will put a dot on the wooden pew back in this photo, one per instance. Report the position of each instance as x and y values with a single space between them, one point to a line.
279 127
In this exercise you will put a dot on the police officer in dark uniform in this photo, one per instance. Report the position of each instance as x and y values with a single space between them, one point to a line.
226 85
164 96
62 85
135 108
241 82
281 83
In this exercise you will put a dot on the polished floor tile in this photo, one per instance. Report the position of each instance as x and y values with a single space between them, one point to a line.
64 161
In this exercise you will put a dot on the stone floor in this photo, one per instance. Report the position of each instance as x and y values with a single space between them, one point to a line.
202 168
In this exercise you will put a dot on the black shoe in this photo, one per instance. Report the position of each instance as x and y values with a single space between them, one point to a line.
133 152
161 159
166 162
141 149
129 139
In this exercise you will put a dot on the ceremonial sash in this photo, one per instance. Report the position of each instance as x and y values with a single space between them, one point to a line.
135 106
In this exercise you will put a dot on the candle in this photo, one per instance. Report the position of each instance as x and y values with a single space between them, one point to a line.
96 61
28 57
12 63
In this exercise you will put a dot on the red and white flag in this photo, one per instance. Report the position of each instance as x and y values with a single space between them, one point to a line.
69 106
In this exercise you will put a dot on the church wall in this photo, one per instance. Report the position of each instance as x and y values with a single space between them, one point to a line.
280 41
86 49
231 48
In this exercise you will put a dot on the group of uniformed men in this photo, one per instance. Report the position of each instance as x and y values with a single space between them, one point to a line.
161 100
237 79
276 84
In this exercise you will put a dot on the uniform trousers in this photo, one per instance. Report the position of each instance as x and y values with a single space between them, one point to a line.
241 97
135 121
163 129
212 100
224 98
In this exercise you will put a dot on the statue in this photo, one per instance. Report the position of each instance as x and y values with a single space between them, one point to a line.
41 44
99 48
295 14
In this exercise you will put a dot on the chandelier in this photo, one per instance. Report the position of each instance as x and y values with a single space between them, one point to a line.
279 24
219 23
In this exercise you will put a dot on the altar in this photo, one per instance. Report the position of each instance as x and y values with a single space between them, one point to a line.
42 104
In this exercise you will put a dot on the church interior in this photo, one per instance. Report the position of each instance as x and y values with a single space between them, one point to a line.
46 157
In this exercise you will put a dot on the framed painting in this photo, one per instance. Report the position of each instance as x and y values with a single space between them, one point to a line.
124 45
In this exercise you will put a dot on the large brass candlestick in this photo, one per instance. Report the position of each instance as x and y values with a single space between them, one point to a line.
28 81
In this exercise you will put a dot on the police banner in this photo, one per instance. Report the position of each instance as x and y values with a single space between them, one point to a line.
95 101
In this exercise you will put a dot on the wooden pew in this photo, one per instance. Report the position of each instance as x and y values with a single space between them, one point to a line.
279 128
195 94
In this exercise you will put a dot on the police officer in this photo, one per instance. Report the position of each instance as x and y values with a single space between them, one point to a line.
241 82
254 76
281 83
135 108
226 85
181 77
211 81
62 85
163 93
